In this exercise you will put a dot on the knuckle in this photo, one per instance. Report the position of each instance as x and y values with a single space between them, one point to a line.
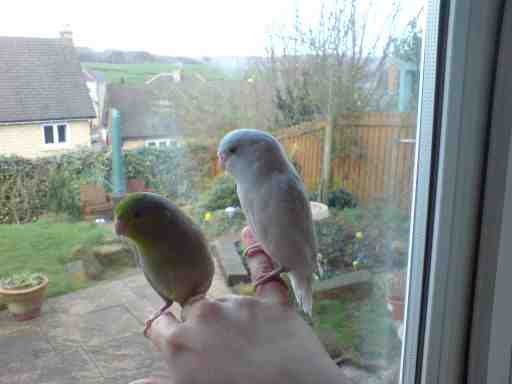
175 341
207 310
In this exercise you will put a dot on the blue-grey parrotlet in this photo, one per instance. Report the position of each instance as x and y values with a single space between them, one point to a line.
273 198
174 254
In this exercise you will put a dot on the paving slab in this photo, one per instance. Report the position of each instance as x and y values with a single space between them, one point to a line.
127 358
94 328
92 336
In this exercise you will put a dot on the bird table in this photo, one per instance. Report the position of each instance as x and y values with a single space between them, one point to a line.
319 211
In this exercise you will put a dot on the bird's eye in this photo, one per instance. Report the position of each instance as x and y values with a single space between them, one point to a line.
137 214
232 150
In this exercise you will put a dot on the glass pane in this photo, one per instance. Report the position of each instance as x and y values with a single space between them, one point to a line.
48 134
62 133
335 82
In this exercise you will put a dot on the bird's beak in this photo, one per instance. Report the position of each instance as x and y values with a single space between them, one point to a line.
222 160
120 227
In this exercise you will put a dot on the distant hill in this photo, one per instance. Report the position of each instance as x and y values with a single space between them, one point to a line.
114 56
135 67
135 74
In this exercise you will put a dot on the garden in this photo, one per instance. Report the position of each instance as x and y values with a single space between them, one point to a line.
42 232
353 321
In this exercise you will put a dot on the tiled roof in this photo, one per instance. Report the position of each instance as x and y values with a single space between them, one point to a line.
41 79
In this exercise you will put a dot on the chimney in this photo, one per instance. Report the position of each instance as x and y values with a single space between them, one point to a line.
66 35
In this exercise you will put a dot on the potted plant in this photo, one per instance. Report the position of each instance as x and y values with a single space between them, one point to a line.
24 294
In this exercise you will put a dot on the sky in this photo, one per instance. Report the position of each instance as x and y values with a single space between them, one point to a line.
168 27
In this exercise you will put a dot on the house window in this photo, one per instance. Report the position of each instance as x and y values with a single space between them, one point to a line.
55 134
48 134
61 129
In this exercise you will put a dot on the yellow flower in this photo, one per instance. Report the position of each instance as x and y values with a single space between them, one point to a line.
359 235
207 216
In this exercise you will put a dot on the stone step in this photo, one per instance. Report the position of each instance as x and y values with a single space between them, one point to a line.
355 282
229 260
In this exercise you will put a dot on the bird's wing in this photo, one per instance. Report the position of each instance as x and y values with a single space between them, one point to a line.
283 222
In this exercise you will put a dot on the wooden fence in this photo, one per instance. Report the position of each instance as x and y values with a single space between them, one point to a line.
373 154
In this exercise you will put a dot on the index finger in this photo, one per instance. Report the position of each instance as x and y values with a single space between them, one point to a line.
260 263
162 329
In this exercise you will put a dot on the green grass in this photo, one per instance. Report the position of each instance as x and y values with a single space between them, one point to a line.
138 73
43 246
363 327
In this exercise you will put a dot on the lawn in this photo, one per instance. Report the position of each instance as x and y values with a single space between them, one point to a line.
363 328
43 246
139 73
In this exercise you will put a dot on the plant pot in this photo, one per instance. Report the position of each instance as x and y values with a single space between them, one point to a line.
25 304
397 305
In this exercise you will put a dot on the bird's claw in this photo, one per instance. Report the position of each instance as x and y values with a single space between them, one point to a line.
253 249
272 275
147 326
156 315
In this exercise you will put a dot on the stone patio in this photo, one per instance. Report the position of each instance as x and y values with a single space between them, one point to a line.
93 336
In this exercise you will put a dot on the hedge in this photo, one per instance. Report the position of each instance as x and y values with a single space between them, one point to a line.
31 187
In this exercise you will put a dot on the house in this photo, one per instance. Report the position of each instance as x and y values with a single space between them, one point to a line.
45 107
146 119
97 85
402 81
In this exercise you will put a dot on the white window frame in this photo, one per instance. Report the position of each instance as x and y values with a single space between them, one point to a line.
56 134
452 145
490 358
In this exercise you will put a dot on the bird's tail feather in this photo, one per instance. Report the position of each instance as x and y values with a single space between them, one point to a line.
303 290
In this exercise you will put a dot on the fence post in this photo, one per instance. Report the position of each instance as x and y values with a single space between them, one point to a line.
118 179
392 178
325 176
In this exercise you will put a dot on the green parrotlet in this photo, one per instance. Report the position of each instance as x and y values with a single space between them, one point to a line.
174 254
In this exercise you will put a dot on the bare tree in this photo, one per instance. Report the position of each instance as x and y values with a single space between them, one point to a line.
336 64
211 107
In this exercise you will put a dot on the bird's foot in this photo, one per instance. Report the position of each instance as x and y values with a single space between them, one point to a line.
272 275
252 249
156 315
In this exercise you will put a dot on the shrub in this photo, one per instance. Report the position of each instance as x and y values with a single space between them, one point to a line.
339 199
220 195
219 223
62 197
22 280
332 244
23 189
381 224
30 188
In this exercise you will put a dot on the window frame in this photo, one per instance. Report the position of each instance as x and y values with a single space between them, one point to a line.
448 192
490 355
55 128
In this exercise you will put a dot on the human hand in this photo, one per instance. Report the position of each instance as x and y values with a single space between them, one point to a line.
236 339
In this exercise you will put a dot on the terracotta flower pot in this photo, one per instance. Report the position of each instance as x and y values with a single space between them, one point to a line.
25 304
397 305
